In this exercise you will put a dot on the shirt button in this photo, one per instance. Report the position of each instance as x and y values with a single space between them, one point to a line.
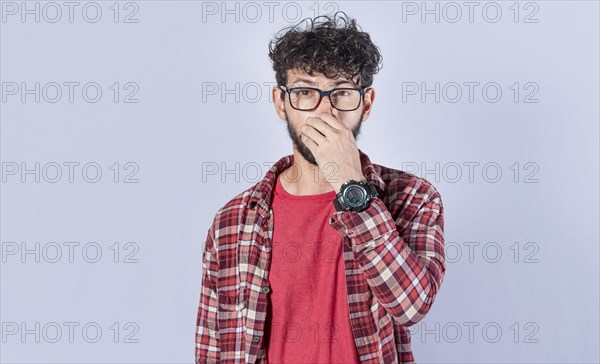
256 339
266 290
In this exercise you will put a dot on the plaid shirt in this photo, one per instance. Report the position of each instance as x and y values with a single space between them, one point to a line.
394 260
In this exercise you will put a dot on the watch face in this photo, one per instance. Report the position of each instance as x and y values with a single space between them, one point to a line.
354 195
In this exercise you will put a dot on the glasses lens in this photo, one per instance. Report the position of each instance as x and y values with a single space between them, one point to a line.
304 98
345 99
307 99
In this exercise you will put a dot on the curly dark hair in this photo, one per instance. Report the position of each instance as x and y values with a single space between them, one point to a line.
326 46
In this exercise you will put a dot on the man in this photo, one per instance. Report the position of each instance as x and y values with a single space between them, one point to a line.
329 258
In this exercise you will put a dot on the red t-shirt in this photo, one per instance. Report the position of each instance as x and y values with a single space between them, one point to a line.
308 319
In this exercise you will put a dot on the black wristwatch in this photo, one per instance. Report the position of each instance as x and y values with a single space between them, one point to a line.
355 196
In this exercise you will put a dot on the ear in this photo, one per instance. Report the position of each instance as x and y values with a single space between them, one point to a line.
368 99
278 102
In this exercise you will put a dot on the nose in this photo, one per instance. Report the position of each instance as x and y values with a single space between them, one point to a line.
325 106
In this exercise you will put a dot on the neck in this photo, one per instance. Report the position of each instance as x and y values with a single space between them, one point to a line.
303 178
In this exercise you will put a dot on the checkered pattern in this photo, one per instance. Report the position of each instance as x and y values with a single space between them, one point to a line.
394 260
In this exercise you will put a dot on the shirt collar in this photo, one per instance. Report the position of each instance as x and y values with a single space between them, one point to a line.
263 193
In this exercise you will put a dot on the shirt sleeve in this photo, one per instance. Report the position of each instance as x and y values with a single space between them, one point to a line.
404 269
207 331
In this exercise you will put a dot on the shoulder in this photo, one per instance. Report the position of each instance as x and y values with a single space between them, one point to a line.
398 181
229 215
405 192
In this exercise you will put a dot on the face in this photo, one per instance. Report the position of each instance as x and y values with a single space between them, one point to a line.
295 118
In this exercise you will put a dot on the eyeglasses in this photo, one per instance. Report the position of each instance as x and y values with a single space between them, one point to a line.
309 98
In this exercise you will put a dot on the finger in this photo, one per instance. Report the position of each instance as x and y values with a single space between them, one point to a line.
311 144
313 134
321 126
331 121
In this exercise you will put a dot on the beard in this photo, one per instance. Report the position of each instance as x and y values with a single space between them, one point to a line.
303 149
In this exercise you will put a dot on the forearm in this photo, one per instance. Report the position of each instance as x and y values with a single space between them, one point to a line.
403 271
207 330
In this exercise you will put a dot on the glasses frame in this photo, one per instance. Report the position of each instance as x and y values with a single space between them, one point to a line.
322 93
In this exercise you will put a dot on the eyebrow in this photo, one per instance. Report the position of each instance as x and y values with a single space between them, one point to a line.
336 83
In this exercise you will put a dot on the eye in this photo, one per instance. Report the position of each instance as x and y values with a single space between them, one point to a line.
303 92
